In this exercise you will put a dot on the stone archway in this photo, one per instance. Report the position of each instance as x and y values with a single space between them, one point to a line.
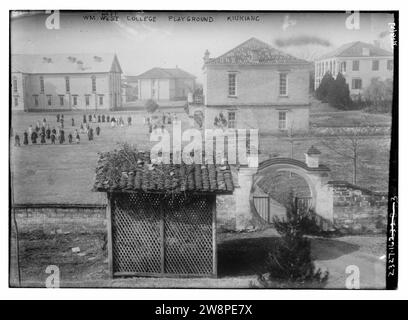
315 177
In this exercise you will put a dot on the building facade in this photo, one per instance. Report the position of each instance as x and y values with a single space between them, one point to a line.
359 62
162 84
65 82
255 86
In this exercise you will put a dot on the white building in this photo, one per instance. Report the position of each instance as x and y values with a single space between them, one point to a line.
65 82
359 62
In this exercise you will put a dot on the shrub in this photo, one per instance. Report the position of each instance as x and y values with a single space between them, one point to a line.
378 96
323 90
220 121
339 94
290 260
151 106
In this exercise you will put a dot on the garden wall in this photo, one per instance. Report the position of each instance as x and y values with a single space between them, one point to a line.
357 210
60 218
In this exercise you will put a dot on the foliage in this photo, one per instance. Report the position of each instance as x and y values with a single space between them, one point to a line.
339 94
378 96
151 106
199 118
290 260
322 91
220 121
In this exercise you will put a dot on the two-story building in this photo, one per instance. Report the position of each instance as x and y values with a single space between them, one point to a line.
65 82
359 62
255 86
164 84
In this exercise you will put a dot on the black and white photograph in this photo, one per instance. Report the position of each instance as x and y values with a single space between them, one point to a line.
203 149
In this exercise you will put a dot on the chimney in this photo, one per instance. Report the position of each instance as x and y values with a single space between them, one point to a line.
312 157
206 57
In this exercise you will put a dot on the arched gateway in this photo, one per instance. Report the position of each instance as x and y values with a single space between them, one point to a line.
316 176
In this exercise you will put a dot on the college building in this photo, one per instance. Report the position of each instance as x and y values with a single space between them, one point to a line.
255 86
359 62
65 82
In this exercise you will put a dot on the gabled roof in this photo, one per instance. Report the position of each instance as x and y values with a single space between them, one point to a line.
165 73
64 63
355 49
255 51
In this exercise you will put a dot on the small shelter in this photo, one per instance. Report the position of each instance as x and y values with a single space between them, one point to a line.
161 215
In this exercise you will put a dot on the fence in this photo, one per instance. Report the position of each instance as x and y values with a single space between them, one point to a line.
263 206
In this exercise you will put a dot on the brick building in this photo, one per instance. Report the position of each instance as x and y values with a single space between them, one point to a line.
65 82
257 86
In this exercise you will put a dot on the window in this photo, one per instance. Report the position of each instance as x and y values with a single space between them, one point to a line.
49 100
390 65
16 101
93 84
75 100
283 84
357 83
61 100
35 100
67 85
356 65
15 84
87 100
376 65
101 100
231 120
282 120
41 84
343 66
232 84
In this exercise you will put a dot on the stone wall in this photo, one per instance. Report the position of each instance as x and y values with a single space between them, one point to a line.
60 218
357 210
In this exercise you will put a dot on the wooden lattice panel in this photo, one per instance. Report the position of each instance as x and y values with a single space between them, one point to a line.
153 234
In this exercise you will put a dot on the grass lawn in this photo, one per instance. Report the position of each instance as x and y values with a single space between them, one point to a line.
65 173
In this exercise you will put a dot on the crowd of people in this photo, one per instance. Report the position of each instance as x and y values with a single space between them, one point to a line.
159 122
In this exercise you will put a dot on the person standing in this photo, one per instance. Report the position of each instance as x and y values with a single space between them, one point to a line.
98 130
54 132
42 136
53 138
103 118
48 133
129 120
25 138
58 117
90 118
44 122
84 119
34 137
17 140
61 136
73 122
70 138
90 134
30 130
99 118
77 138
107 118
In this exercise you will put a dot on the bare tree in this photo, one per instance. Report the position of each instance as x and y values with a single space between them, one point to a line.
348 141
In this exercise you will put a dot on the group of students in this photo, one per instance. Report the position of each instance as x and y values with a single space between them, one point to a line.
43 132
106 118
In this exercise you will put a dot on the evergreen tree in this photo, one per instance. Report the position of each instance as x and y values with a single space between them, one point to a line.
291 259
323 90
339 93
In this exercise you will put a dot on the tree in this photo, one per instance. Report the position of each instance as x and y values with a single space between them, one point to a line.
338 94
347 143
323 90
291 259
151 106
379 94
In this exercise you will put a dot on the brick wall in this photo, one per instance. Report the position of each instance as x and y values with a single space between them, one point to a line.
60 218
357 210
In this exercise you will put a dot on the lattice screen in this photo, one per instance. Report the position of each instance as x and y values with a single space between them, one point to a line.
162 235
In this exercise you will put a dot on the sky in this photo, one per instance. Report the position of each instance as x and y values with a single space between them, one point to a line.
173 39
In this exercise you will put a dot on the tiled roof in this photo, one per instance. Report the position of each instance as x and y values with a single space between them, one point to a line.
254 51
63 63
145 175
165 73
355 49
